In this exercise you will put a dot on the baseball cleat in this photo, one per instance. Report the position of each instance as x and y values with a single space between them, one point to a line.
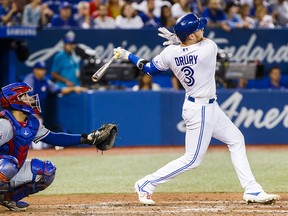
261 197
14 206
144 197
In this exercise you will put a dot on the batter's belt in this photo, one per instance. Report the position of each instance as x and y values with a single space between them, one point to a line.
201 100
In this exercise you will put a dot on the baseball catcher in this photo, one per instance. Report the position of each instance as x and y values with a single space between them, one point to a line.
20 177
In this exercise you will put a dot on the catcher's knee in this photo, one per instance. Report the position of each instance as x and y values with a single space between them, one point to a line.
43 172
9 167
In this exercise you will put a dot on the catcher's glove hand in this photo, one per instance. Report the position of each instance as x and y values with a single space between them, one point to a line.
103 138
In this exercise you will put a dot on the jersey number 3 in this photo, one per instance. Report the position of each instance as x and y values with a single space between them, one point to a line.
189 72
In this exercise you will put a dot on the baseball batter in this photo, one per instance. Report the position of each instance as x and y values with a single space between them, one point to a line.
193 62
20 177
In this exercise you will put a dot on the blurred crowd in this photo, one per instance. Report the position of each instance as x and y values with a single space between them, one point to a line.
136 14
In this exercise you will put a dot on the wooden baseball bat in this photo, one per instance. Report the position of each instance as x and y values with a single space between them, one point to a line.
101 71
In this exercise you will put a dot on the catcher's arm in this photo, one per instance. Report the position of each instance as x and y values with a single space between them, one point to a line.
103 138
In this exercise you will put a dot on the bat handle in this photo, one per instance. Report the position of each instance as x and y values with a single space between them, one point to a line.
116 55
96 76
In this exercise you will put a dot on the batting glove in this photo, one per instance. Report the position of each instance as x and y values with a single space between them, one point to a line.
171 37
122 53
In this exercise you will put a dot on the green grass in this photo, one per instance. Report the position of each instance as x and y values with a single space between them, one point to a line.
118 173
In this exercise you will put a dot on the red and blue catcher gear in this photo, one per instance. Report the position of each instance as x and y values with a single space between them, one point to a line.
9 167
188 24
19 145
11 98
43 176
46 169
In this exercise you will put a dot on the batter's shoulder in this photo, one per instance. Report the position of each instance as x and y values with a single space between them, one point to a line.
207 40
210 43
170 48
169 52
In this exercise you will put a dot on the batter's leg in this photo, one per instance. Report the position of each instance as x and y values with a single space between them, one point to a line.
228 133
198 136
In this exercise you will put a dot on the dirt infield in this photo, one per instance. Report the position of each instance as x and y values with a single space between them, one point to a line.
127 204
167 204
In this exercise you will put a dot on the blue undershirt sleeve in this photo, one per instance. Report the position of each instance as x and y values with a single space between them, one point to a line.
62 139
148 68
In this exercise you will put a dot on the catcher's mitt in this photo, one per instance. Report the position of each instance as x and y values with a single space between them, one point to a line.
103 138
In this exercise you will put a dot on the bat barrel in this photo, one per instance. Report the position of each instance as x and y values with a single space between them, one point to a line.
101 71
94 78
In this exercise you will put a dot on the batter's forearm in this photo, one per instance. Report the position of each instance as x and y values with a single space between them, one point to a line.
144 65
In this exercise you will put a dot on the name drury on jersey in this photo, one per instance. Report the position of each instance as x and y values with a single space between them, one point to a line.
186 60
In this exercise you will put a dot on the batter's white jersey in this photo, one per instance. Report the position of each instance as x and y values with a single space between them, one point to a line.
193 65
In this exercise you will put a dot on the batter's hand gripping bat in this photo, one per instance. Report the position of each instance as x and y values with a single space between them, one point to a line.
101 71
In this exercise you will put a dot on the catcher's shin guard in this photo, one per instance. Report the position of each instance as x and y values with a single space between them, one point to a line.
43 176
9 167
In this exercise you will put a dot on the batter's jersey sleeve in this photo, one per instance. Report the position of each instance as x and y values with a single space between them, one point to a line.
163 60
6 131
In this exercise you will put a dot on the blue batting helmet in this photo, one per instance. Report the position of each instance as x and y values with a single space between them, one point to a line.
188 24
11 98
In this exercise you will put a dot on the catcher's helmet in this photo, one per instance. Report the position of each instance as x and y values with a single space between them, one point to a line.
12 97
188 24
